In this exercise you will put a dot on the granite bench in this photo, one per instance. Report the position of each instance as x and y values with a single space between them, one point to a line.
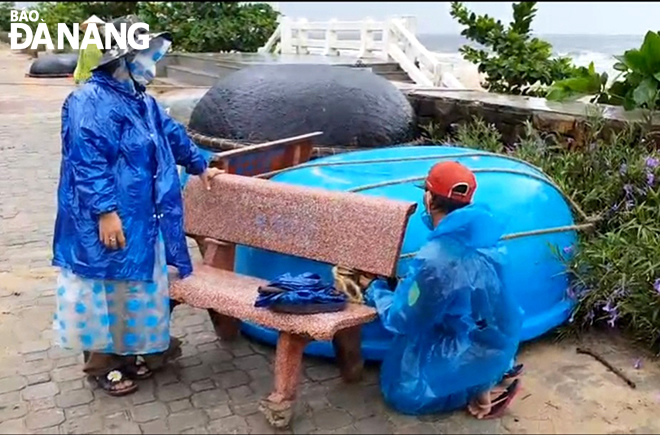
346 229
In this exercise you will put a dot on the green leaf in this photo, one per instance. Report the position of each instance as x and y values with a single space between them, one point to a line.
629 103
645 93
635 60
620 66
592 68
603 79
651 51
556 94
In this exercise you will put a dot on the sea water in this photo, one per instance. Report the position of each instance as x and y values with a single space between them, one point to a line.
583 49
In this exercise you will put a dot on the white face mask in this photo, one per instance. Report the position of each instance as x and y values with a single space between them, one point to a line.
143 65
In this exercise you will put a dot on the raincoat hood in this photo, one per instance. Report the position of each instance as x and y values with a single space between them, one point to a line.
474 225
115 53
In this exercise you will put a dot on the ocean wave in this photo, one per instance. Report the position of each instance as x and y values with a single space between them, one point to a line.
455 64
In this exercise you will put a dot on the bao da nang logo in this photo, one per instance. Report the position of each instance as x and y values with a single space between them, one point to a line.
21 35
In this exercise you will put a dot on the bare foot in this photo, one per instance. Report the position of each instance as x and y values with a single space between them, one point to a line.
480 406
492 404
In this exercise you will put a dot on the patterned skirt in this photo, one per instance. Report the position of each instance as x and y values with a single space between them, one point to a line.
118 317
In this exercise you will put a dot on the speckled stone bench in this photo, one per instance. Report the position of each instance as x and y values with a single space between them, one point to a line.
346 229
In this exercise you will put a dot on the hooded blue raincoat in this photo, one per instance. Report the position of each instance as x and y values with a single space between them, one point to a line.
119 153
456 328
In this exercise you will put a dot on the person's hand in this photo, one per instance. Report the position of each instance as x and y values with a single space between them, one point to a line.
365 280
207 175
111 232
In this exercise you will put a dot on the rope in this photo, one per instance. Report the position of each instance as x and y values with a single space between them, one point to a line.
545 179
345 278
368 162
563 229
570 200
218 144
349 282
576 227
215 143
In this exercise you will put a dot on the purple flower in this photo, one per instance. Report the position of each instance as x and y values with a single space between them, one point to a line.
613 313
614 316
650 178
590 317
656 285
628 188
570 292
623 169
568 249
652 162
637 364
620 291
608 308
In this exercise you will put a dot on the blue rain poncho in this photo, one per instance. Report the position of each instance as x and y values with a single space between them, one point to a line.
456 327
119 153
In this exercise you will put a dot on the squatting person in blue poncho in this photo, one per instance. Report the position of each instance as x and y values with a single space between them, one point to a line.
119 217
456 328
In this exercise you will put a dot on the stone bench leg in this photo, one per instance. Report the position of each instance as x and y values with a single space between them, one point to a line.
226 328
348 349
278 406
220 255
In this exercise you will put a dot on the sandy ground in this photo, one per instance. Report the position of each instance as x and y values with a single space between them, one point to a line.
215 387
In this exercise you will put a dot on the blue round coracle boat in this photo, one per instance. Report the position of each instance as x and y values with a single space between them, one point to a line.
520 195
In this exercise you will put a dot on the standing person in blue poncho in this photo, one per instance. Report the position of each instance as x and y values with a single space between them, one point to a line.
120 217
456 328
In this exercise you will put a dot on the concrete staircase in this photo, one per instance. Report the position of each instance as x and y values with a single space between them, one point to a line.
204 69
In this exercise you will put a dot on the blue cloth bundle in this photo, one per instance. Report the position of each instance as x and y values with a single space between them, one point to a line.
301 294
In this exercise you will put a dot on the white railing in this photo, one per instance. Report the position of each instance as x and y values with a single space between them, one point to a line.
392 40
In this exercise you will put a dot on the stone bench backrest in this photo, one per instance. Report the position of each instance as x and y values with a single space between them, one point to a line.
347 229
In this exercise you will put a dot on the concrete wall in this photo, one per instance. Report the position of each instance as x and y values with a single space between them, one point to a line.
509 113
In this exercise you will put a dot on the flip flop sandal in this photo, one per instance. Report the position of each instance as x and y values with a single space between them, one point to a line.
110 382
499 405
514 373
508 377
137 371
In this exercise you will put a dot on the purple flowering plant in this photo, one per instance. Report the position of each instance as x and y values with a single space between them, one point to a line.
615 176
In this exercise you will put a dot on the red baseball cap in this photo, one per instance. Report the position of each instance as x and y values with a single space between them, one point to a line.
451 180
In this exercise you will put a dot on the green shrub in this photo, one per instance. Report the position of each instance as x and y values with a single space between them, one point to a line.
195 26
615 270
638 85
584 81
5 8
514 62
212 26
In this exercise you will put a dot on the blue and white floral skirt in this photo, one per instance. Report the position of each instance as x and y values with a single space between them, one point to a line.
118 317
